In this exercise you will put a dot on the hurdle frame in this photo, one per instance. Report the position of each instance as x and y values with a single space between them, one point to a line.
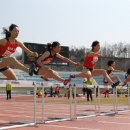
72 117
26 124
56 120
128 100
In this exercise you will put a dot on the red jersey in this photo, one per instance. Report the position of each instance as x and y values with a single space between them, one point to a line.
89 61
8 49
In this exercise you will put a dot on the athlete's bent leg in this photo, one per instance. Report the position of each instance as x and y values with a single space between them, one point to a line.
49 73
98 72
13 62
84 74
10 75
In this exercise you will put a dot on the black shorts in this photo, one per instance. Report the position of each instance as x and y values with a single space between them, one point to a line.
3 69
128 71
36 70
104 81
90 69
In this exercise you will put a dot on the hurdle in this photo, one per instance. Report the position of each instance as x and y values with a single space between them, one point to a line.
97 105
40 118
112 103
72 107
113 106
21 123
80 109
43 117
126 95
96 111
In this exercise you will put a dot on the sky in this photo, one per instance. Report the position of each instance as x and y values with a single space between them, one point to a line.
71 22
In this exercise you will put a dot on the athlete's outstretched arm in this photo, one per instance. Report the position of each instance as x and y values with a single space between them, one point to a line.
41 58
113 70
67 60
26 50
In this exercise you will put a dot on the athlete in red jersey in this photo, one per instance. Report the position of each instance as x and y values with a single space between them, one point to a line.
88 65
47 57
90 60
8 46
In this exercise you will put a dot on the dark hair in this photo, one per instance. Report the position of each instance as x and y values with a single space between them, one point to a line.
94 44
110 62
7 32
53 45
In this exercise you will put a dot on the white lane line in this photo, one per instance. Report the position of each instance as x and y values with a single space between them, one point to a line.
109 122
78 128
16 126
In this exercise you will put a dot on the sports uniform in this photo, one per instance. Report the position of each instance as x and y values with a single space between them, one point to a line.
6 50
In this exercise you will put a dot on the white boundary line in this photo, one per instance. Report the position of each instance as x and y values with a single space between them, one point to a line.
16 126
58 120
80 117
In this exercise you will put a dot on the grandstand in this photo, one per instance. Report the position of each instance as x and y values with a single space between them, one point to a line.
24 84
23 76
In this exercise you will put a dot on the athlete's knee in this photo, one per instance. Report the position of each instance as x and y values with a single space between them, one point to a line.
51 72
13 59
89 74
9 59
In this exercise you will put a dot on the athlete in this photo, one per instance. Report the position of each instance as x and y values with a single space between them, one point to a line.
88 65
127 77
8 46
111 68
40 67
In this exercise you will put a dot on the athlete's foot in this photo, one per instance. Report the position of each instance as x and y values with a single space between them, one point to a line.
115 84
72 76
31 69
67 81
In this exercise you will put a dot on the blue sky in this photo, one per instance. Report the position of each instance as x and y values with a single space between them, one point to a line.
71 22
